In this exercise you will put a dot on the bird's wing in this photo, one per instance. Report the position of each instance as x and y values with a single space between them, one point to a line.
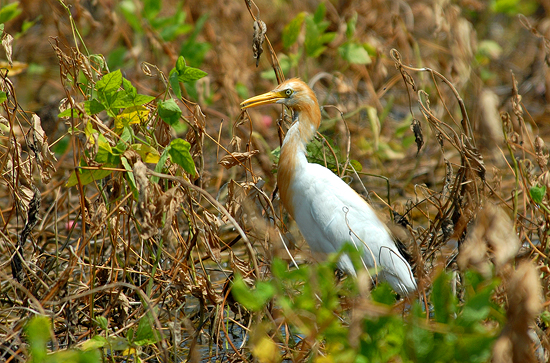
329 213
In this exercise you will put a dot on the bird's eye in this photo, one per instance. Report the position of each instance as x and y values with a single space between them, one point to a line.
288 92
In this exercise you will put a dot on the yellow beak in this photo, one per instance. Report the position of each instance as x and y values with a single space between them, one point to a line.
264 99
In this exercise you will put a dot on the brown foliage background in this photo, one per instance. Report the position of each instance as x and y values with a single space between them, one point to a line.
447 77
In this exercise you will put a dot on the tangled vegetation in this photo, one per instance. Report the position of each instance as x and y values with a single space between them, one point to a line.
140 216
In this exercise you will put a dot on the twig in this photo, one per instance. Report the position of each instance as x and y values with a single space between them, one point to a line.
220 207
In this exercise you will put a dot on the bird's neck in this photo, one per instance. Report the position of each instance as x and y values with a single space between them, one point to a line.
293 151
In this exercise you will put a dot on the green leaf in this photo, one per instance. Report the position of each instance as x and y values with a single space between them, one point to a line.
421 341
478 305
192 49
129 10
3 97
128 86
140 99
118 343
354 53
38 335
180 64
172 26
179 152
473 278
130 177
95 343
315 51
125 137
242 91
169 111
9 12
92 107
320 13
148 153
383 294
537 193
160 164
129 97
151 8
87 176
90 133
350 25
327 37
109 83
442 298
279 269
105 152
26 26
475 348
545 317
102 322
356 165
145 334
514 7
173 78
68 113
477 308
292 30
130 116
253 300
119 99
121 146
185 73
316 38
191 74
116 57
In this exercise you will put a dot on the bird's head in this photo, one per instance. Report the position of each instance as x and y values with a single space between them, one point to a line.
294 94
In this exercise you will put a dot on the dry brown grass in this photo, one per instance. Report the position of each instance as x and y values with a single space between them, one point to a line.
77 253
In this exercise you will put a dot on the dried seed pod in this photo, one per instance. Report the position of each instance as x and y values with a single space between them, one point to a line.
259 36
7 41
506 124
45 159
541 153
416 128
236 158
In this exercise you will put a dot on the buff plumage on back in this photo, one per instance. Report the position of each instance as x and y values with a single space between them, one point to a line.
328 212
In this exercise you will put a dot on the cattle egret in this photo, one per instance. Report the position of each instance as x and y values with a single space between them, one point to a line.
327 211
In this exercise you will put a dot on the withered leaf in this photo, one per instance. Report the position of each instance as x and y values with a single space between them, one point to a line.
238 265
200 118
170 203
7 41
96 216
235 143
199 287
45 159
236 158
4 121
212 245
542 154
259 36
84 65
416 128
